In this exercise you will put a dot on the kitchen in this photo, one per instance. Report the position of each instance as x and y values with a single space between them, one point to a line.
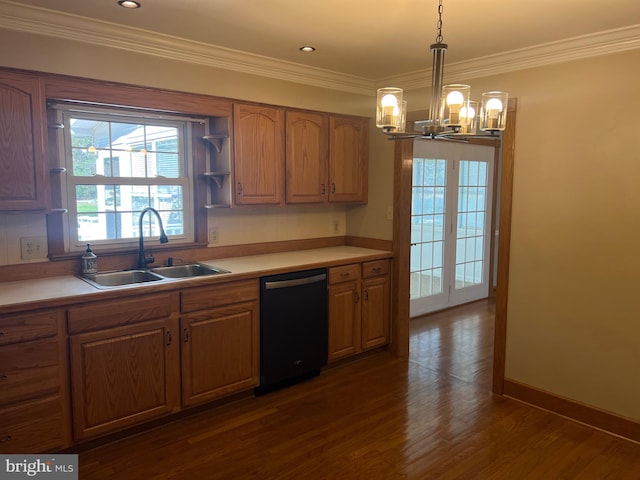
543 264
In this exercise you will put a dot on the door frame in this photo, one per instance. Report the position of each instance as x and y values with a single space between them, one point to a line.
402 173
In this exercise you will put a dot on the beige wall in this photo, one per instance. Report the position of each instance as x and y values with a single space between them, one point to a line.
573 325
573 310
242 225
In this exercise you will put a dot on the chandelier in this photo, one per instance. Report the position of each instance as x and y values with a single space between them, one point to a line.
452 113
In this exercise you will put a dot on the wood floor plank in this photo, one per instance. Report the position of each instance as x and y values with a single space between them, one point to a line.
432 416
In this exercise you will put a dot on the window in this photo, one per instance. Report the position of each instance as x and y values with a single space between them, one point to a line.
118 164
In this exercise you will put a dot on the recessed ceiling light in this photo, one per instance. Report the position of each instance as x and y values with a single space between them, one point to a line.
307 49
129 4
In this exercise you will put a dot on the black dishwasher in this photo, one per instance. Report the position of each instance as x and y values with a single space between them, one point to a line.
293 327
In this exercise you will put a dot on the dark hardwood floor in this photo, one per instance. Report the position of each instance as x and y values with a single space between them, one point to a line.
431 417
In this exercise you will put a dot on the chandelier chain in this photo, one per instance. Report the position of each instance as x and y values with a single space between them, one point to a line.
439 24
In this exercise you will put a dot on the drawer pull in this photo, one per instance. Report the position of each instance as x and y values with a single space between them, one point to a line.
185 334
345 274
5 438
377 269
169 338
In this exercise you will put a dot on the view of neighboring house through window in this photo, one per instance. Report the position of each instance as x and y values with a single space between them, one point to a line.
118 165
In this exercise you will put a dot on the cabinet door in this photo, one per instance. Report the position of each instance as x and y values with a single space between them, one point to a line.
344 320
348 159
375 312
307 157
123 376
219 352
258 141
23 159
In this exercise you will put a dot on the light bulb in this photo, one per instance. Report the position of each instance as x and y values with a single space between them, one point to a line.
390 110
494 107
467 112
455 98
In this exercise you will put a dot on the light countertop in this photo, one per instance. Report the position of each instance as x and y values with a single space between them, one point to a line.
60 291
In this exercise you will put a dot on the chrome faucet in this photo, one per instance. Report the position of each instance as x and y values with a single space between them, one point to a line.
143 260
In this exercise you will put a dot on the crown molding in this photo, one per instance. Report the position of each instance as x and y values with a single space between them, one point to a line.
586 46
40 21
14 16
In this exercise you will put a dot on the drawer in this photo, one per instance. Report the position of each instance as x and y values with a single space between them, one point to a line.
34 427
345 273
375 268
102 315
29 326
201 298
29 370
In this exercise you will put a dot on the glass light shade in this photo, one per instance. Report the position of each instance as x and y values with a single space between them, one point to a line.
402 119
493 116
454 98
389 108
468 117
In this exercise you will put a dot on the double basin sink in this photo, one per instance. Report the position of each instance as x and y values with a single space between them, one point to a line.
132 277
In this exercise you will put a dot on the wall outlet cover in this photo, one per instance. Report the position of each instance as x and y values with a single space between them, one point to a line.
32 248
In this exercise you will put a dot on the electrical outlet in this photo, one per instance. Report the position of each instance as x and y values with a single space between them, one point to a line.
336 226
33 248
213 235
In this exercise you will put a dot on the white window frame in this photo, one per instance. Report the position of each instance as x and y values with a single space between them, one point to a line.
68 184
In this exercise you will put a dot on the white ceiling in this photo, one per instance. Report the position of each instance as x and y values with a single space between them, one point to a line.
368 39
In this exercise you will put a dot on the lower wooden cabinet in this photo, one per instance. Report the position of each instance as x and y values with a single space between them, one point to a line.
127 371
359 308
220 340
344 320
34 401
219 352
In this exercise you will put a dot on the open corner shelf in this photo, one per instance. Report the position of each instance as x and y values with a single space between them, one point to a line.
217 177
216 140
217 205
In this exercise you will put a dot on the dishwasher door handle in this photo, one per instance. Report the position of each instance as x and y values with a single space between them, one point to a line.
295 282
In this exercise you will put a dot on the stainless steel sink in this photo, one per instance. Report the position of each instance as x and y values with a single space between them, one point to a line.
120 278
187 271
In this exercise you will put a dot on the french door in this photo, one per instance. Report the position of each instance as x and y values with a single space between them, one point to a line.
452 192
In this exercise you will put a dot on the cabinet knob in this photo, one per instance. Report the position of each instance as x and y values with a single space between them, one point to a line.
5 438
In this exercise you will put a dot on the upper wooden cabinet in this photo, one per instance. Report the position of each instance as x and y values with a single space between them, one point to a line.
348 159
23 139
307 157
258 141
299 156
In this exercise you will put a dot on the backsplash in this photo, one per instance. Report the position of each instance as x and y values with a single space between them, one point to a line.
13 228
239 226
234 226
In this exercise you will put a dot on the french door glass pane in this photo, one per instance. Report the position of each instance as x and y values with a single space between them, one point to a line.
470 232
427 226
